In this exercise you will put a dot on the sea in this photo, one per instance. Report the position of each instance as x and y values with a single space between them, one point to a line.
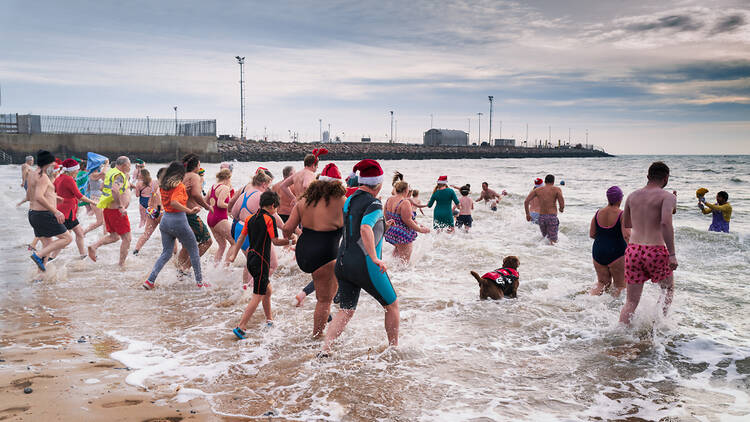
555 353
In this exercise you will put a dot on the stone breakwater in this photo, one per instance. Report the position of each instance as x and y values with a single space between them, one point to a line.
289 151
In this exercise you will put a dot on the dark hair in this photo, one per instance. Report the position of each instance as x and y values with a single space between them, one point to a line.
310 160
400 187
415 193
146 176
160 172
269 197
658 171
172 176
397 177
288 170
190 162
485 183
550 178
723 195
465 189
511 262
318 190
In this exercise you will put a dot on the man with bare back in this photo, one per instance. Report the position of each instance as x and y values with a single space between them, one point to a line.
285 206
44 216
549 196
294 186
651 252
193 185
114 203
26 169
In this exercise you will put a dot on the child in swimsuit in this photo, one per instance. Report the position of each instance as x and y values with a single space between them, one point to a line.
465 205
144 188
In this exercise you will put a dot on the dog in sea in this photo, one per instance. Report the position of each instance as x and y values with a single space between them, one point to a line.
501 283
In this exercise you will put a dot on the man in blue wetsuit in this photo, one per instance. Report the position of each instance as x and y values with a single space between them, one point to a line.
358 265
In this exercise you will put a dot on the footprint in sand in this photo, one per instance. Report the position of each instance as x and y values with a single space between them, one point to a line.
12 412
121 403
26 381
165 419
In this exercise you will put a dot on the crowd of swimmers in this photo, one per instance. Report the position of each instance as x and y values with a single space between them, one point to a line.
336 226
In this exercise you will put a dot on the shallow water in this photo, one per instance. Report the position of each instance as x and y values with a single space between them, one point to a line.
553 354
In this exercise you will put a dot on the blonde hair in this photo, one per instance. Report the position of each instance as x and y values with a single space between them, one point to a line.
401 187
223 174
261 178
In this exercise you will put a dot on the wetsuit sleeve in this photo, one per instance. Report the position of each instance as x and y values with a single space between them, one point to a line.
271 226
373 213
246 225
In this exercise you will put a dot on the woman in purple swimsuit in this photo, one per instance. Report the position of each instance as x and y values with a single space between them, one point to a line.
404 230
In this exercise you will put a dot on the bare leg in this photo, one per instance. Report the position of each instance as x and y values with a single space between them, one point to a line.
267 303
99 220
617 269
391 320
125 247
250 310
337 327
106 240
151 225
183 260
54 246
78 231
325 290
603 277
634 292
144 216
403 252
667 288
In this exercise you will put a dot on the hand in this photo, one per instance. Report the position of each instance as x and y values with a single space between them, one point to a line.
674 192
122 210
528 217
381 264
423 229
60 217
672 262
293 240
195 210
389 222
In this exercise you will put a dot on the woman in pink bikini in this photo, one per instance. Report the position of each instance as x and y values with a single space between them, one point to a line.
218 199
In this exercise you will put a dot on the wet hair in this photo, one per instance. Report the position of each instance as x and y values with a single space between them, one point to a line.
401 187
658 171
172 176
415 193
511 262
485 183
723 195
288 170
397 177
465 189
318 190
550 179
310 160
223 174
260 178
190 161
269 197
146 177
160 172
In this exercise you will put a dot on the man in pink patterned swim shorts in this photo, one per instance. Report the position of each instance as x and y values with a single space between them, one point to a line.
651 253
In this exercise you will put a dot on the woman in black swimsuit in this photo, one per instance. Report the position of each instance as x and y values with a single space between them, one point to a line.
610 242
320 213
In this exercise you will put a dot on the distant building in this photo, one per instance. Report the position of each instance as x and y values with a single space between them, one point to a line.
436 137
505 142
326 136
366 139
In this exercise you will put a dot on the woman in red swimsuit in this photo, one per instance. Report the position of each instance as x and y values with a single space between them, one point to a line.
218 199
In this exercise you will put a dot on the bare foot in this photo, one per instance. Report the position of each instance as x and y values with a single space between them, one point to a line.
92 253
300 298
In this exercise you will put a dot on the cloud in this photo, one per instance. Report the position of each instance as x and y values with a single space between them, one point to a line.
728 23
674 22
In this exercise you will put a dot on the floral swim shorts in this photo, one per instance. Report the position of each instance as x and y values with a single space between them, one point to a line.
644 262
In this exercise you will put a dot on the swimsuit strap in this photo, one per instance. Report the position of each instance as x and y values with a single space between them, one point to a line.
245 198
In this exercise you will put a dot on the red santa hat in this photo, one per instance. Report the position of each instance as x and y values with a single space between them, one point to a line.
330 173
370 172
538 182
442 180
70 165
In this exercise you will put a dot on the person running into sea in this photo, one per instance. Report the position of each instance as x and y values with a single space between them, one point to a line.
295 186
144 188
44 217
26 168
359 264
154 213
534 203
66 188
610 241
174 224
465 205
651 251
721 211
549 196
95 186
218 200
319 212
443 196
193 185
403 232
114 203
285 208
262 232
489 195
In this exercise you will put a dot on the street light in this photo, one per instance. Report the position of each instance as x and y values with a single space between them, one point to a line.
175 120
320 122
391 141
479 129
241 61
489 138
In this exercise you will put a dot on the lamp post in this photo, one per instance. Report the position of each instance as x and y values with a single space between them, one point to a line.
241 61
391 141
479 129
489 137
320 123
175 120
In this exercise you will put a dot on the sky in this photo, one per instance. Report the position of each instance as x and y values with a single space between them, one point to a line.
668 77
